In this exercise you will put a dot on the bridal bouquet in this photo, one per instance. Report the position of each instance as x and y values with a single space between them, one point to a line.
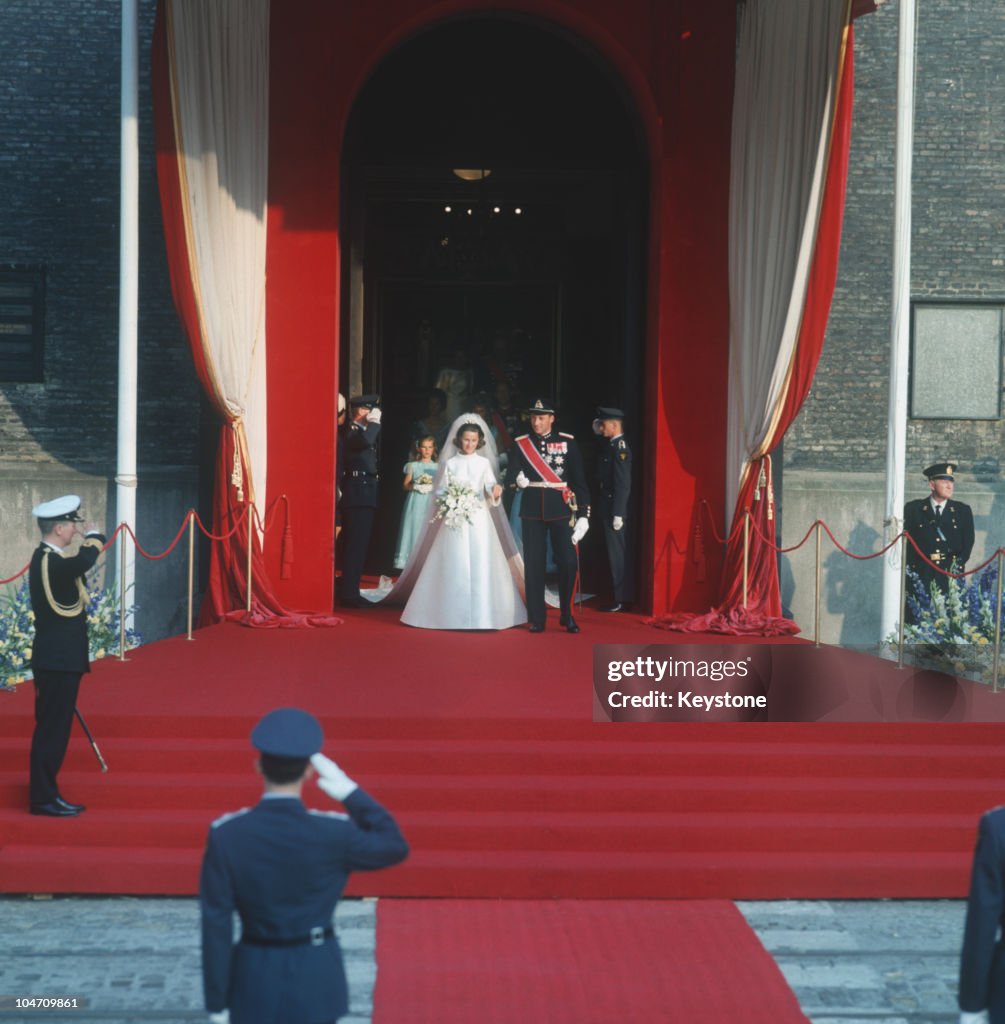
457 505
422 484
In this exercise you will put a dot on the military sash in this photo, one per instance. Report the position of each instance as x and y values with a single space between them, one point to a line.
549 478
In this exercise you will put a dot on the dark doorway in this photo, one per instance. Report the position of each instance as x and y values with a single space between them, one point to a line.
528 265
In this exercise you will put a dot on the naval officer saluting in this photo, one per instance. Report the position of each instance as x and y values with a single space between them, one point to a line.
282 868
358 481
59 652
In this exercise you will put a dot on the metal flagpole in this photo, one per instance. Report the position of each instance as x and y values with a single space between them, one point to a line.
900 326
125 475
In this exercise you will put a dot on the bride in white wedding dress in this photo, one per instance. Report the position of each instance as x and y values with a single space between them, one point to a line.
465 571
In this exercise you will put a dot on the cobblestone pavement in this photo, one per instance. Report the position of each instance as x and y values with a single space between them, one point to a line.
137 960
857 961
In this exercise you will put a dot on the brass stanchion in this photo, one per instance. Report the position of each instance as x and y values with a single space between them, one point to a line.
816 596
122 594
998 626
746 552
251 528
191 568
903 599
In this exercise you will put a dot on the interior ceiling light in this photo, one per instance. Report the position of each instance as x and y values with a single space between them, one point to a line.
471 174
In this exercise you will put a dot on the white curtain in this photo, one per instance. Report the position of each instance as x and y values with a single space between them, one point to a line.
219 55
787 75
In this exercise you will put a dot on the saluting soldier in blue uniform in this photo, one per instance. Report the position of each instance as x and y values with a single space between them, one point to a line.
548 467
614 486
59 652
282 869
358 483
942 528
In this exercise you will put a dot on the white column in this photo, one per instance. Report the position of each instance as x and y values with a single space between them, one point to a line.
125 477
900 330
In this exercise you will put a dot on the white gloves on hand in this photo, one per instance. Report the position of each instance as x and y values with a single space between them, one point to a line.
969 1017
373 416
582 525
332 779
617 522
223 1017
521 480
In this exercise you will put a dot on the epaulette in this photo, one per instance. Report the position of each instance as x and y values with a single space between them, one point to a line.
571 437
328 814
224 818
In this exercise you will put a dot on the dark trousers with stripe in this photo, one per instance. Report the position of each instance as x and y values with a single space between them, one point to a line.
55 699
357 524
535 552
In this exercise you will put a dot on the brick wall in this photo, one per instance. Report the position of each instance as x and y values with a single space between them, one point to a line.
958 245
59 206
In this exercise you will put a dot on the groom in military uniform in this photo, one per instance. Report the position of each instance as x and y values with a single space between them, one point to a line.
942 529
547 467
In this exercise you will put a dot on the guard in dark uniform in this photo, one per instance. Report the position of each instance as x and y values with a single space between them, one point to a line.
358 483
942 528
982 961
59 652
548 467
282 868
614 486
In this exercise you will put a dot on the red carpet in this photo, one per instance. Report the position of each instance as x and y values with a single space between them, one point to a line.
574 962
483 746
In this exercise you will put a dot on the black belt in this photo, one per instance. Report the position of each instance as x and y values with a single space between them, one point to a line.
316 937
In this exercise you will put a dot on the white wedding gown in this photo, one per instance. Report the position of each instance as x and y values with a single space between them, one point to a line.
466 581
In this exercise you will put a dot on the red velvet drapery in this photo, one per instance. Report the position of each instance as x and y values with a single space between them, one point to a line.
763 600
761 612
226 593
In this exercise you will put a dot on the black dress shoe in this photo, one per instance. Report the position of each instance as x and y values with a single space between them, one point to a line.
76 808
570 625
54 809
534 628
616 607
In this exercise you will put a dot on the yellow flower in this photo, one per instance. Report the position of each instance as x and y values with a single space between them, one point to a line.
99 653
27 654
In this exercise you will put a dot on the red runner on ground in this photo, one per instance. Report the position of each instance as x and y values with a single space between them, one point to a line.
574 962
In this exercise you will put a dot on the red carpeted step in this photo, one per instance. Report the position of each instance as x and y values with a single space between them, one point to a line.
534 757
503 784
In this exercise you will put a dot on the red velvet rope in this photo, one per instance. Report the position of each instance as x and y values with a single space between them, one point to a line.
876 554
190 514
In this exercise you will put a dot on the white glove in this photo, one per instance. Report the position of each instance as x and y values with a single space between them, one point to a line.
582 525
223 1017
617 522
373 416
598 426
980 1017
521 480
332 779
